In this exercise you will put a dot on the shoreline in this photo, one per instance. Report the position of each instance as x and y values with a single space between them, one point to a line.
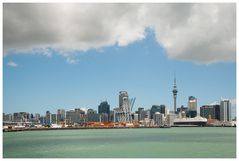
73 128
88 128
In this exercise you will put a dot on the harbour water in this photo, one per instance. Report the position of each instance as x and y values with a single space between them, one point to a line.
183 142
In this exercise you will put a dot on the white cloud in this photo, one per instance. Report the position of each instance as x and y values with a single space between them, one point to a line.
70 60
202 33
12 64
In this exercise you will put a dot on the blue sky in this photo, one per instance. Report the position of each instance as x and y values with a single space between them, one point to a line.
41 83
141 58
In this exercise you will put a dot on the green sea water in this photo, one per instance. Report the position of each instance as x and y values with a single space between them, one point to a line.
183 142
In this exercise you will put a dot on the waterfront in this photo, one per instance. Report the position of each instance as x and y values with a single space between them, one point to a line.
194 142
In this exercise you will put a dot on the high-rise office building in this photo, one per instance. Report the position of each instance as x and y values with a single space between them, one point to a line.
53 118
124 107
217 112
48 118
37 117
170 119
210 110
21 117
225 110
136 117
157 108
146 114
42 120
60 115
207 110
175 91
7 117
153 110
158 119
104 111
92 115
162 109
111 115
192 106
140 112
76 115
183 111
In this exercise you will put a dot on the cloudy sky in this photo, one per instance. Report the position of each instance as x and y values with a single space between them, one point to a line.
61 55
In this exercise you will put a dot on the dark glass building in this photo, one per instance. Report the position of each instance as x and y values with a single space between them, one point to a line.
153 110
104 110
162 109
212 110
48 118
157 108
92 115
181 109
140 112
217 112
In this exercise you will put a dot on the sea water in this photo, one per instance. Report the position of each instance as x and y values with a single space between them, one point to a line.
176 142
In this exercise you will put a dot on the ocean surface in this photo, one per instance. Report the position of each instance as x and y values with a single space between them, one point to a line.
177 142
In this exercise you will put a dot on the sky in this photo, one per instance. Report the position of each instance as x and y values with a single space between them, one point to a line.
77 55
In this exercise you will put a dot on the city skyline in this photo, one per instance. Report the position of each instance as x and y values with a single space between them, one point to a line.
48 69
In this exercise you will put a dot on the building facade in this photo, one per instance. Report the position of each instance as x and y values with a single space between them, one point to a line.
61 114
75 116
170 119
192 106
124 107
158 119
48 118
7 117
210 110
92 115
225 110
104 111
21 117
140 112
153 110
53 118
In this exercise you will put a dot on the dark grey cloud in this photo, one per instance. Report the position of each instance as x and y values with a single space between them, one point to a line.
202 33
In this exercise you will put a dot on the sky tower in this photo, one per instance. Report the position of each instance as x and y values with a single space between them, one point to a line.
175 91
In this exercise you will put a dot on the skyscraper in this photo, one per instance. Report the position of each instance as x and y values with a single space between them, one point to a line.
207 110
140 112
48 118
175 91
225 110
153 110
92 115
104 111
76 115
158 119
163 109
124 107
53 118
212 110
61 115
192 106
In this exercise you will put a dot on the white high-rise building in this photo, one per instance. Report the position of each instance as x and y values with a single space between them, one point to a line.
124 107
170 119
136 117
158 119
225 110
